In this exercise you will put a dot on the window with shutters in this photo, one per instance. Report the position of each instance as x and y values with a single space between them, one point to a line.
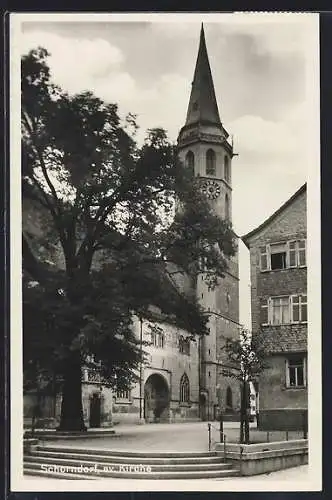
292 256
302 253
296 376
284 255
264 262
264 319
280 311
283 310
299 308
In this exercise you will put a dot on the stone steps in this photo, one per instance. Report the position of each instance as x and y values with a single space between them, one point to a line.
58 462
100 456
129 454
114 466
53 435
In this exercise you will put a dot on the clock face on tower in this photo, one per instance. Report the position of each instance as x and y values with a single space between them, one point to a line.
211 189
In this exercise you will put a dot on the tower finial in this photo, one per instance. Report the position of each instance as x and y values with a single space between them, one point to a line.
202 104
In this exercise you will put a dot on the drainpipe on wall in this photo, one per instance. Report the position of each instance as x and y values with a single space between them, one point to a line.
141 419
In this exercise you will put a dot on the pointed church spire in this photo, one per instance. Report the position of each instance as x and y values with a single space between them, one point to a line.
202 104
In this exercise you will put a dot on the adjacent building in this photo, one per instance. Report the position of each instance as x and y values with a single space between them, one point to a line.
278 264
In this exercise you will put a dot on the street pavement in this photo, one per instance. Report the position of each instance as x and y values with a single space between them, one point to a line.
188 436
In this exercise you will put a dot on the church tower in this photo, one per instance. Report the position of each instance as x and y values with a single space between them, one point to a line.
204 147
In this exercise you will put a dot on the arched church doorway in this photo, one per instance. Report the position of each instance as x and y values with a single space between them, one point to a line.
156 399
95 410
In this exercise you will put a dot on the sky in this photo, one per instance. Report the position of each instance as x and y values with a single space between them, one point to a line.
261 67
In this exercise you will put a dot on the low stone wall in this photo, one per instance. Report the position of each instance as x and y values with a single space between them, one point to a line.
261 458
284 419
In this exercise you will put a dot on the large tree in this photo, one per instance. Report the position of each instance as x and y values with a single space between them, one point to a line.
109 226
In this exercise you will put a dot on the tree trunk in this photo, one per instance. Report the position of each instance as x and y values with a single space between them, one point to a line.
71 406
246 430
242 413
246 407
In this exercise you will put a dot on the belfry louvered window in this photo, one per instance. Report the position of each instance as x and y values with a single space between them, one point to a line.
210 162
190 162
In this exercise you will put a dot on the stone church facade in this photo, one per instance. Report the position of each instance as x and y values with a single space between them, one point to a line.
182 379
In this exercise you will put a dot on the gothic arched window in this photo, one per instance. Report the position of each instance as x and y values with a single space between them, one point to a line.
184 389
210 162
229 398
227 172
190 162
226 206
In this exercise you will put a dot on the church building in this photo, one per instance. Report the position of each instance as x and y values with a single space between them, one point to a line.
183 379
185 374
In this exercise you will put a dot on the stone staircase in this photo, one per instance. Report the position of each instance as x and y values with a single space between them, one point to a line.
80 463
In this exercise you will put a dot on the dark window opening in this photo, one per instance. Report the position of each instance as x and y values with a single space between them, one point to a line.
226 206
229 398
227 176
278 261
190 162
296 376
210 162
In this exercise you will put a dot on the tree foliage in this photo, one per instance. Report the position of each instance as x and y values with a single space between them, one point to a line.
103 231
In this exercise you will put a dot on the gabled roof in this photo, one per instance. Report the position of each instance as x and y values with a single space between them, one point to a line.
246 238
202 104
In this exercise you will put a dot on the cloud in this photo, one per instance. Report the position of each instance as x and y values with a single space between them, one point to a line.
283 34
272 164
280 143
79 64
